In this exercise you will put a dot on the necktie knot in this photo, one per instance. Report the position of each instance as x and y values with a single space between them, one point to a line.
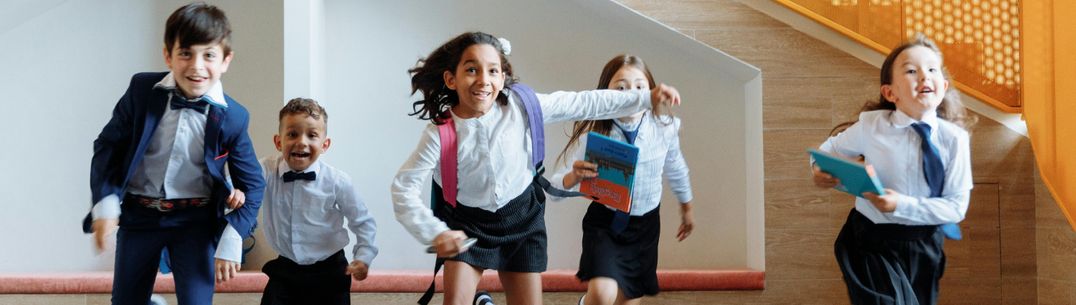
292 176
923 130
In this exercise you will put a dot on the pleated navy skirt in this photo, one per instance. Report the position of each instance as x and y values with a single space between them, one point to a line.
890 263
511 239
630 258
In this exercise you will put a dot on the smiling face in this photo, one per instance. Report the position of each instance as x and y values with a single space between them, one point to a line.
918 85
197 68
301 139
477 80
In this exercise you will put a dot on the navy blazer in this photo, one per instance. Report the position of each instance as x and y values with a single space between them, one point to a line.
121 145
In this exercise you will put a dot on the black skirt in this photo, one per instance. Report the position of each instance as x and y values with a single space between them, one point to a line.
890 263
630 258
512 239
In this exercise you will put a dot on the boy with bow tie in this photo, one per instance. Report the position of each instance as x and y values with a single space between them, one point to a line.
305 206
158 170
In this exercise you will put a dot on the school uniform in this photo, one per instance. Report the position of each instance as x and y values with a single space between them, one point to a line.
303 218
629 253
498 198
163 157
897 257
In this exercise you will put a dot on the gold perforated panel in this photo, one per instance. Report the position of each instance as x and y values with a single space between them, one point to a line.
979 38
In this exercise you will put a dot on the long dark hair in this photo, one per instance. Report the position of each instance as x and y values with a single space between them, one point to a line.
428 76
605 126
950 109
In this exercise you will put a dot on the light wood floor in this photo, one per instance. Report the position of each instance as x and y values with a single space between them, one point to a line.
679 298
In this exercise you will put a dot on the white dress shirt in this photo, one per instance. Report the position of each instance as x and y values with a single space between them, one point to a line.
173 166
659 155
304 220
887 141
494 153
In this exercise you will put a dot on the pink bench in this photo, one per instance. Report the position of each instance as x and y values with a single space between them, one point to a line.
383 281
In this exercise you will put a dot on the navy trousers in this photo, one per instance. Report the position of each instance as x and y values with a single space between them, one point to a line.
191 246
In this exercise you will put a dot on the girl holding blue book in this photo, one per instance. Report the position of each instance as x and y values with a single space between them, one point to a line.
620 250
890 248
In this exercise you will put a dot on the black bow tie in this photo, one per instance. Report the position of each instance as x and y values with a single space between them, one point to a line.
292 176
198 105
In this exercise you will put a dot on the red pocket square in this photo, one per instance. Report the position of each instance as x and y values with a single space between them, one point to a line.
225 154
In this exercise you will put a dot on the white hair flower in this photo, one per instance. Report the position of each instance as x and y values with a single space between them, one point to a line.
505 45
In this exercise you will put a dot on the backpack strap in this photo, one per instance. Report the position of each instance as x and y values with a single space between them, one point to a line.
537 127
449 148
449 161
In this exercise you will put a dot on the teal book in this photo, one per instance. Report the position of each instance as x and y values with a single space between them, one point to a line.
616 162
856 178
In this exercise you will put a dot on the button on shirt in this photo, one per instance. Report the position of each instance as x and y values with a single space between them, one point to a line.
304 219
888 142
494 152
659 155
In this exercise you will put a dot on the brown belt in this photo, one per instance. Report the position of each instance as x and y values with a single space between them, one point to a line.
167 205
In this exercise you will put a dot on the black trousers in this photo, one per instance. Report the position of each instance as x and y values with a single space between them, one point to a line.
324 282
890 263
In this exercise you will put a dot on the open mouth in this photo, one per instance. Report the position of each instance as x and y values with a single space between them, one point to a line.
197 79
299 155
481 94
926 90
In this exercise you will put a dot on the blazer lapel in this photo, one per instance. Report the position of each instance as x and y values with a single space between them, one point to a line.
154 112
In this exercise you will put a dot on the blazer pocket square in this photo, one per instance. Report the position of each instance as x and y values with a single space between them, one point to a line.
225 154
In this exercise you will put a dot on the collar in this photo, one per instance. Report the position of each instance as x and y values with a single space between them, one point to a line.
282 167
214 97
901 120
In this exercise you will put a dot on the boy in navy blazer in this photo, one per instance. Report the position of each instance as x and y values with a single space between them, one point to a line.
159 168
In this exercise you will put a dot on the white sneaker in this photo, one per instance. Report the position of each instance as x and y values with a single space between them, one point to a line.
582 297
157 299
483 298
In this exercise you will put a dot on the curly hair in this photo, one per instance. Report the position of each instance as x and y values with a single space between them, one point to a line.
428 76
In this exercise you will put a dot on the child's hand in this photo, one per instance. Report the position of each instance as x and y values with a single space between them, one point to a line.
662 94
226 270
824 180
236 199
885 203
449 243
357 270
102 229
687 222
580 170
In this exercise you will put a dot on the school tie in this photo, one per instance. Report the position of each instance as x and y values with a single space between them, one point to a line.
934 172
620 218
179 103
292 176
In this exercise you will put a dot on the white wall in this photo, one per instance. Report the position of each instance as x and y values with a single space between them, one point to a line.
556 46
67 62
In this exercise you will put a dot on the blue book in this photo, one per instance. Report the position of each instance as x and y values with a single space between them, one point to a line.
616 162
856 178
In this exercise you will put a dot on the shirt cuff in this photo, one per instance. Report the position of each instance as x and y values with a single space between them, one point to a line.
365 255
905 207
230 246
107 208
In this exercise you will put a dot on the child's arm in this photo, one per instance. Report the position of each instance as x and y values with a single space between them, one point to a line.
572 169
950 208
602 104
676 170
246 174
106 170
361 223
676 173
411 211
845 143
